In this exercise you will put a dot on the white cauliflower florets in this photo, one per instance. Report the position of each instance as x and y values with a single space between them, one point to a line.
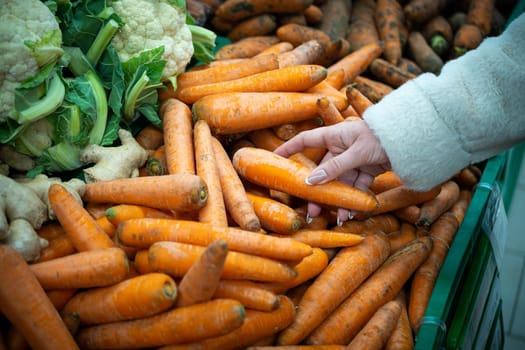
21 21
150 24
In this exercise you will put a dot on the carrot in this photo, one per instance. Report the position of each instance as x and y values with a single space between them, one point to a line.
401 337
140 262
328 111
235 10
420 11
235 112
57 247
179 192
388 28
438 33
335 19
177 325
423 54
341 326
409 213
137 297
406 233
156 163
313 14
319 222
298 347
459 208
385 181
81 227
14 339
220 26
201 280
306 269
270 170
373 89
176 258
285 131
389 73
468 37
150 137
235 198
92 268
479 14
362 29
96 210
214 210
120 212
178 139
249 293
442 233
296 18
357 99
247 47
259 25
356 62
347 270
325 238
433 208
378 329
293 78
278 48
400 197
297 34
409 66
309 52
467 177
25 304
106 226
257 325
275 216
59 297
141 233
328 89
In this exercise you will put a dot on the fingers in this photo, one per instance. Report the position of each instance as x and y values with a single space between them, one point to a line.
310 138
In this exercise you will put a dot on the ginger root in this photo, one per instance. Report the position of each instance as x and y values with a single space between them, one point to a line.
23 238
116 162
17 161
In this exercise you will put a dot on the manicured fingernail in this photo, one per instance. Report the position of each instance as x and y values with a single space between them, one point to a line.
316 177
350 216
308 218
339 222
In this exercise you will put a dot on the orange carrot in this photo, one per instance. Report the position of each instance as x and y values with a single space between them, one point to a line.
325 238
385 223
156 163
81 227
379 328
388 28
92 268
259 25
235 10
296 18
214 210
313 14
137 297
420 11
306 269
294 78
96 210
176 258
278 48
401 337
468 37
373 89
385 181
249 293
25 304
177 325
298 347
383 285
57 247
140 262
59 297
432 209
285 131
409 66
247 47
442 233
479 14
400 197
335 19
459 208
408 214
275 216
328 111
357 99
406 233
118 213
467 177
438 33
309 52
270 170
150 137
297 34
347 270
356 62
201 280
423 54
107 226
142 233
178 139
257 325
362 29
389 73
235 198
179 192
235 112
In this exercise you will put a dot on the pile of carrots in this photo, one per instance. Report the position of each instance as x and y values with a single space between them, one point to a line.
210 247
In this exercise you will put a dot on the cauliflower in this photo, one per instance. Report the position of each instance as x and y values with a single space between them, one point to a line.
152 24
34 44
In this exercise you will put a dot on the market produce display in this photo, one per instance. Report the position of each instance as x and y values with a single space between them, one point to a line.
142 205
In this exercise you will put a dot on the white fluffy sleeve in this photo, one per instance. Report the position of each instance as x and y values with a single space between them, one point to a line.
433 126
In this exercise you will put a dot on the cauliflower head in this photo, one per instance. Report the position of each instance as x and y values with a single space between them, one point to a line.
151 24
30 38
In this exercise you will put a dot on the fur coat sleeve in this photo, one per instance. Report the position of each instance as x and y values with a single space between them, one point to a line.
433 126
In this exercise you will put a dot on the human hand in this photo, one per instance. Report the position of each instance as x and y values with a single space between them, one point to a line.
354 156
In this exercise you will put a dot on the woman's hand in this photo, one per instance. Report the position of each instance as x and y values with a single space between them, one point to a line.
354 156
